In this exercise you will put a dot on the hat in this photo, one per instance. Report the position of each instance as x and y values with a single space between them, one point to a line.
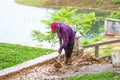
54 27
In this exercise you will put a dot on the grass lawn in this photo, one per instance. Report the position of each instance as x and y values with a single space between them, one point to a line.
98 76
11 54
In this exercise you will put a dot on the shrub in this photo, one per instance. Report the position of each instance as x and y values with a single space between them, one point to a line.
99 1
116 1
84 42
83 23
115 15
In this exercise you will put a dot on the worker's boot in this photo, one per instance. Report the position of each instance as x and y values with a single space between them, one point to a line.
68 61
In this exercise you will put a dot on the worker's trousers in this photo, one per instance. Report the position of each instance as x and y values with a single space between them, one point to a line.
68 49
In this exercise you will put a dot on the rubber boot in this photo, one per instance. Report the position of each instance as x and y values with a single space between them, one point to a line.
68 61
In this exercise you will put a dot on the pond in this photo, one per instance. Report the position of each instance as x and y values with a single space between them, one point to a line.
17 21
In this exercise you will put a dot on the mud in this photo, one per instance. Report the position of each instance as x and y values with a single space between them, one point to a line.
80 64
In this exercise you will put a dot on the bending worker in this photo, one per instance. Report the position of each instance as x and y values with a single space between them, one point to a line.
66 38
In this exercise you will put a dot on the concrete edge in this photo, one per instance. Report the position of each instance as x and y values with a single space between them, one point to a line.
29 63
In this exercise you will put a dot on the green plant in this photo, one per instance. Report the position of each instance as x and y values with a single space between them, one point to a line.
115 15
83 23
96 39
116 1
93 40
84 42
106 52
48 36
97 28
99 1
98 76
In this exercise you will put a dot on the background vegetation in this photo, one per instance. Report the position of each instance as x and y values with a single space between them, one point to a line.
88 25
87 4
99 76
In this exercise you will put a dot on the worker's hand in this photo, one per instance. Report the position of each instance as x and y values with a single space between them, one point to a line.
59 51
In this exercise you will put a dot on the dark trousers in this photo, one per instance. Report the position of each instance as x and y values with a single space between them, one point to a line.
68 49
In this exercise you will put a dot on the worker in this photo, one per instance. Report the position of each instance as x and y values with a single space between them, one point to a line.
66 39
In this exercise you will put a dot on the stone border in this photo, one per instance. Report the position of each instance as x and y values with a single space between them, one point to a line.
28 64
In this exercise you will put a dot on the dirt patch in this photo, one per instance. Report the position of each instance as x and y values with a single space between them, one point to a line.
81 64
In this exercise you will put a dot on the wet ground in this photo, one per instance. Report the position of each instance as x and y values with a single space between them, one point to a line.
80 64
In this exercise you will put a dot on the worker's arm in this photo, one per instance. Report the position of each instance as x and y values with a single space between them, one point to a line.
65 41
60 43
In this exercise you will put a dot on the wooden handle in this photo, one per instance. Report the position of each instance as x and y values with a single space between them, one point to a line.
58 58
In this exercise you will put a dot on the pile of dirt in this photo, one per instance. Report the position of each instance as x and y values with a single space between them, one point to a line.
87 59
77 61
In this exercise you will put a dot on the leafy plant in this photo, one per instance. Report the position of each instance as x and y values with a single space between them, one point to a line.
116 1
83 23
93 40
84 42
106 52
48 36
115 15
96 29
99 1
96 39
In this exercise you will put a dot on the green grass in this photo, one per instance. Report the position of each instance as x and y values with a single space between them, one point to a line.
85 42
99 1
92 41
11 54
116 1
106 52
98 76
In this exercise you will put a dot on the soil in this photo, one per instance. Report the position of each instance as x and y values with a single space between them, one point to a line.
80 64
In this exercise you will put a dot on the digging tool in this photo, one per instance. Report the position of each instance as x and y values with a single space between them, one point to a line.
58 64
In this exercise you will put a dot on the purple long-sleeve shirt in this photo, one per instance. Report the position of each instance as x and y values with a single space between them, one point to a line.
65 34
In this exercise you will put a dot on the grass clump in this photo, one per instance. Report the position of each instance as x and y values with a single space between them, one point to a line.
12 54
106 52
94 40
98 76
99 1
116 1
